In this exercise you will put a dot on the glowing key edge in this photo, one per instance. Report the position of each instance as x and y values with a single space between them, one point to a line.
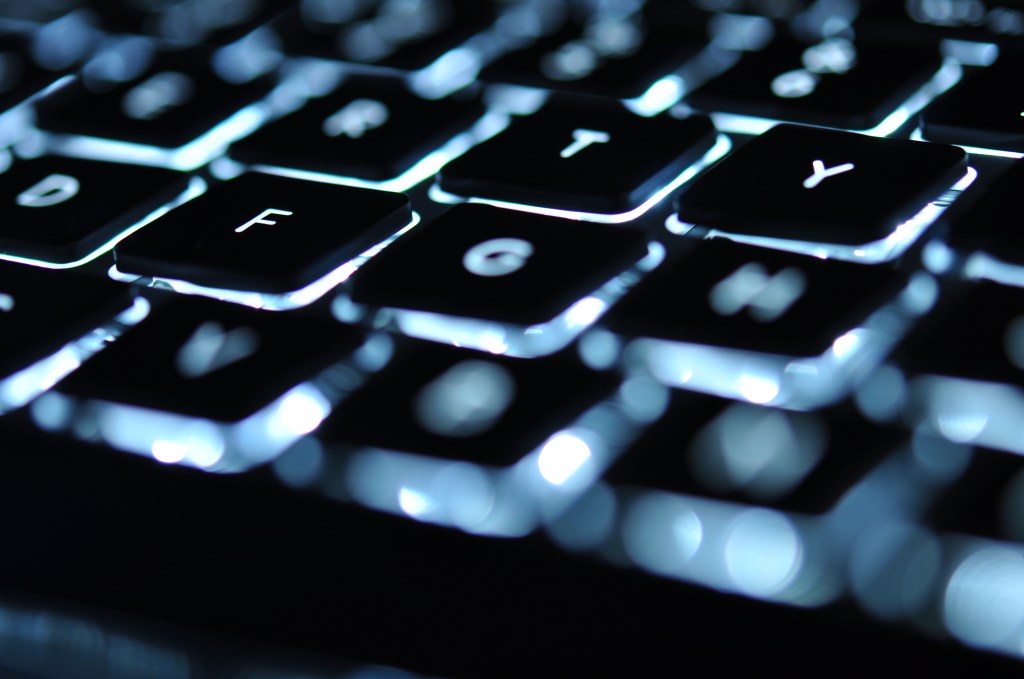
269 301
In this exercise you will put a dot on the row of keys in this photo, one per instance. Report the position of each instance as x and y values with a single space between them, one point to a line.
60 210
397 417
813 83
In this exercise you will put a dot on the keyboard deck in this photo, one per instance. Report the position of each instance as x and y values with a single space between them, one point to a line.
359 338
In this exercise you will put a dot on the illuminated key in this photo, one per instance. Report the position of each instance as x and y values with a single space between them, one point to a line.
739 452
590 157
189 382
761 325
62 209
986 230
263 233
179 97
41 314
843 193
503 265
406 36
370 128
618 56
836 82
22 74
443 402
983 111
965 367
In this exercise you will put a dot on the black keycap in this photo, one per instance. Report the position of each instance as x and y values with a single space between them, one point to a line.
407 36
820 186
182 22
371 128
964 368
980 21
485 262
989 224
592 157
836 83
174 101
443 402
263 233
611 56
739 452
976 334
62 209
204 359
722 294
984 110
22 75
41 311
986 500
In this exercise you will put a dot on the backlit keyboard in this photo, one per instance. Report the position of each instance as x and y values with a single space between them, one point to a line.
466 338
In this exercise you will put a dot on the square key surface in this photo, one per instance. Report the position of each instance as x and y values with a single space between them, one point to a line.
590 156
211 360
60 209
820 186
504 265
263 233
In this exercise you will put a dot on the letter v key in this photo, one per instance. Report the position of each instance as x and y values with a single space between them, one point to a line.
821 173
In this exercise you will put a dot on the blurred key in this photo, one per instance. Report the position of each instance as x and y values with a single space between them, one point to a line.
183 22
981 111
177 98
822 187
370 128
484 443
442 402
964 368
591 156
989 223
21 74
987 498
62 209
976 334
617 55
836 82
263 233
977 21
802 462
207 384
753 299
392 33
50 321
764 326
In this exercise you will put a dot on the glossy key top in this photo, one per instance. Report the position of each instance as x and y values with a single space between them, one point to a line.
42 316
62 209
519 270
207 384
175 100
393 34
986 230
836 82
370 128
982 111
762 325
964 367
263 233
486 443
823 188
617 55
740 452
592 156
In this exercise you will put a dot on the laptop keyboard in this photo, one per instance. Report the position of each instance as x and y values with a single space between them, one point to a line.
462 338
